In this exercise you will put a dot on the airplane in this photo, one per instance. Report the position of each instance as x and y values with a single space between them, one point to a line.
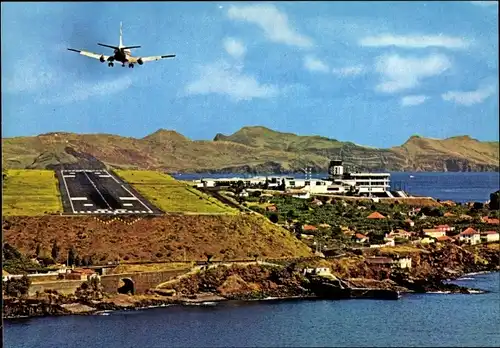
121 54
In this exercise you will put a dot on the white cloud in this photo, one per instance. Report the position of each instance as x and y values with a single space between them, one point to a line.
234 47
411 100
469 98
484 3
349 70
313 64
401 73
81 91
226 79
272 21
29 76
414 41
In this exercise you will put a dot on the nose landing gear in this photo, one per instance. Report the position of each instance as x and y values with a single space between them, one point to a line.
110 64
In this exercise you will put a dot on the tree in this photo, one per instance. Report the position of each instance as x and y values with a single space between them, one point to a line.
495 201
55 250
273 217
38 249
71 256
17 286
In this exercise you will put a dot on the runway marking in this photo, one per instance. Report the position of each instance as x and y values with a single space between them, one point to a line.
127 204
69 176
128 198
145 206
105 176
88 205
99 192
78 198
69 196
143 211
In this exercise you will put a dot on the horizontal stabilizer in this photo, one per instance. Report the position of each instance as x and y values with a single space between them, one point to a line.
169 56
109 46
72 49
128 47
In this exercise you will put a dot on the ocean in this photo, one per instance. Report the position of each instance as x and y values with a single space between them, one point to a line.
416 320
458 187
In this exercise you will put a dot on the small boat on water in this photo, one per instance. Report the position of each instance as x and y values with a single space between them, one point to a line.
411 176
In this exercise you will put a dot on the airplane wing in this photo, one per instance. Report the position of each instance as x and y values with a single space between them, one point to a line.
89 54
149 59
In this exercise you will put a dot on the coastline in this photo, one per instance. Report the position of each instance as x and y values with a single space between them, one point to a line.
145 302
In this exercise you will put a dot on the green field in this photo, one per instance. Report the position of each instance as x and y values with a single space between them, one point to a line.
171 195
30 192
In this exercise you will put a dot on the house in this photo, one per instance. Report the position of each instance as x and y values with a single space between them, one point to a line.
490 236
400 234
444 239
389 241
434 233
375 215
360 238
445 228
448 214
309 228
324 226
403 262
470 236
271 208
79 274
426 240
489 220
465 217
306 236
409 222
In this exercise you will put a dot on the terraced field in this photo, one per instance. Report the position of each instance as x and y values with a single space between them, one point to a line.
30 193
171 195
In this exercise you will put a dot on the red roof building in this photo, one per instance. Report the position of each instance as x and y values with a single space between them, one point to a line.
309 228
375 215
469 231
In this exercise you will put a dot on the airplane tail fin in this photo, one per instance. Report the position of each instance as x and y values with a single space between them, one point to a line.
121 35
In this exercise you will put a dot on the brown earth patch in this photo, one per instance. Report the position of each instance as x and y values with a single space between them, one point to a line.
169 238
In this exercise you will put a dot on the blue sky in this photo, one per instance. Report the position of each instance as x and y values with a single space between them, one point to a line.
374 73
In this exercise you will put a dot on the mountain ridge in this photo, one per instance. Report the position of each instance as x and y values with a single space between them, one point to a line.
250 149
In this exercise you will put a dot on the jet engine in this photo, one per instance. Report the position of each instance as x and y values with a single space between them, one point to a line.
101 59
140 61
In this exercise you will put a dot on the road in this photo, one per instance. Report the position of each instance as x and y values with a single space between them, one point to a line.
86 191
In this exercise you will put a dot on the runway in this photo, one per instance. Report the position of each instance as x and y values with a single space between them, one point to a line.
86 191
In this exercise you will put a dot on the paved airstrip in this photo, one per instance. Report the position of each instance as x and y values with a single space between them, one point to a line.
86 191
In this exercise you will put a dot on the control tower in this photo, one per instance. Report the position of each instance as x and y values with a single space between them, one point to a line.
336 169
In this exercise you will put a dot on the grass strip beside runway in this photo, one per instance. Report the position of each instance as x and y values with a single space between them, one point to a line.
30 192
172 195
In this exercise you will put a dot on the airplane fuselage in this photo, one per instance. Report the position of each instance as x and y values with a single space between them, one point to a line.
121 55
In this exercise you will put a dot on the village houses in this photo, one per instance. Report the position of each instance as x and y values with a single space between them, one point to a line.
470 236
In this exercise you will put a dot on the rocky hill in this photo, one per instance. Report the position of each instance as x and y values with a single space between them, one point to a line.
251 149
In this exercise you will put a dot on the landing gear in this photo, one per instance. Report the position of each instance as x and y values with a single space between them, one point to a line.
110 64
131 66
123 65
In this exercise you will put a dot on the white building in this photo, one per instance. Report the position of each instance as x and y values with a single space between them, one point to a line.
490 236
470 236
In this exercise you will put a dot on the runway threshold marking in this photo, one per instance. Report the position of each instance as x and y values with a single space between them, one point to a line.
144 205
88 205
78 198
67 191
128 198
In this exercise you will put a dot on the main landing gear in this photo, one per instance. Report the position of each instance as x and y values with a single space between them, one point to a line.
131 66
110 64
